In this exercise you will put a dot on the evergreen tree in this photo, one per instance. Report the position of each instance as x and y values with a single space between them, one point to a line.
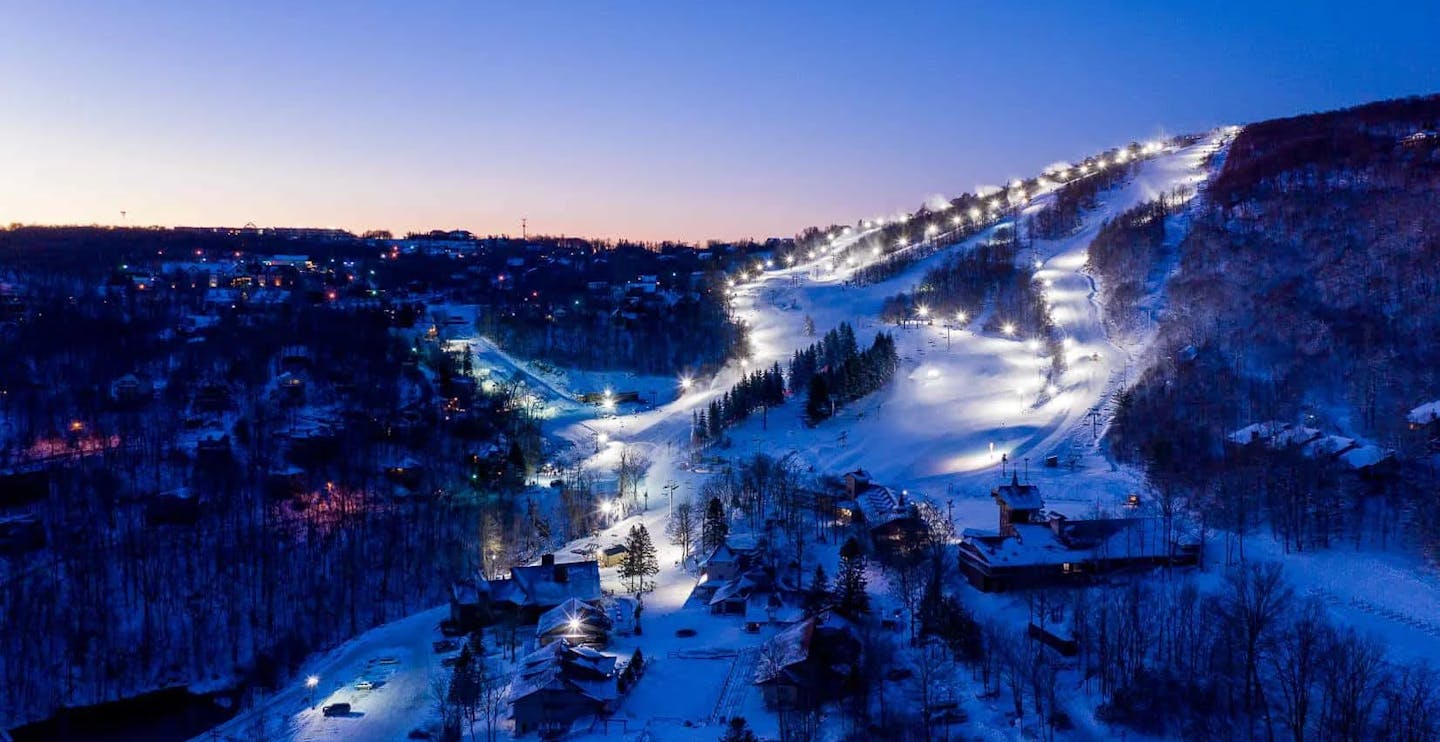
818 596
515 465
465 682
716 423
850 596
640 559
739 731
715 528
817 399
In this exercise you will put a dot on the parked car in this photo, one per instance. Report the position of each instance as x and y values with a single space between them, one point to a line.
364 684
336 709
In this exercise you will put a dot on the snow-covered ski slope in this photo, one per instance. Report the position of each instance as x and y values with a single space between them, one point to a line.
962 400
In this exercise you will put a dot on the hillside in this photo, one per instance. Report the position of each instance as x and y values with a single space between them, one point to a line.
1304 292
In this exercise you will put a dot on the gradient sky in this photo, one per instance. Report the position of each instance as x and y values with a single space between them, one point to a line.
648 120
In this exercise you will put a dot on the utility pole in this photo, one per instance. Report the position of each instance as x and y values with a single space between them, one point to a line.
524 231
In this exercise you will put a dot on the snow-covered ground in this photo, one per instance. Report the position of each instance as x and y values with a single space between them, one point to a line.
962 400
397 659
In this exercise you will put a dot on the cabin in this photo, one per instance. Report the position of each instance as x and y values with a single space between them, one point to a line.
613 555
760 595
525 595
608 397
729 560
578 622
807 664
1035 548
890 521
560 683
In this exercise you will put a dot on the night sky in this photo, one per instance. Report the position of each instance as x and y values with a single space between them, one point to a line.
652 121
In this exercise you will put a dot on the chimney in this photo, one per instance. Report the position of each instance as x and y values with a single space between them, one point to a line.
547 560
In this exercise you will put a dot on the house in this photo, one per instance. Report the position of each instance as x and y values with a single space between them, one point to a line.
891 521
526 594
612 556
578 622
560 683
760 595
807 664
129 389
729 560
1033 548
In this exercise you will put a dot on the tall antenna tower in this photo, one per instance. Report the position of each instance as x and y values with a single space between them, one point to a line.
524 233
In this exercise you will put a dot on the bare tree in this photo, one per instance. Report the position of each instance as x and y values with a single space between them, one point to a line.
1355 671
682 528
629 471
1255 598
1297 661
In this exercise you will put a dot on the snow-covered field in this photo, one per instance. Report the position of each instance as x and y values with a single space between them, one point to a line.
962 400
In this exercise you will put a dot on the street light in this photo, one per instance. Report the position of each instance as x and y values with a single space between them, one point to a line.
961 317
1008 328
312 681
685 382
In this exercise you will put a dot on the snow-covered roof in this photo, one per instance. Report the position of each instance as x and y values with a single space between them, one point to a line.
1358 454
1363 456
558 619
1019 496
562 667
794 645
1425 413
1106 538
787 648
543 584
879 505
1274 433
